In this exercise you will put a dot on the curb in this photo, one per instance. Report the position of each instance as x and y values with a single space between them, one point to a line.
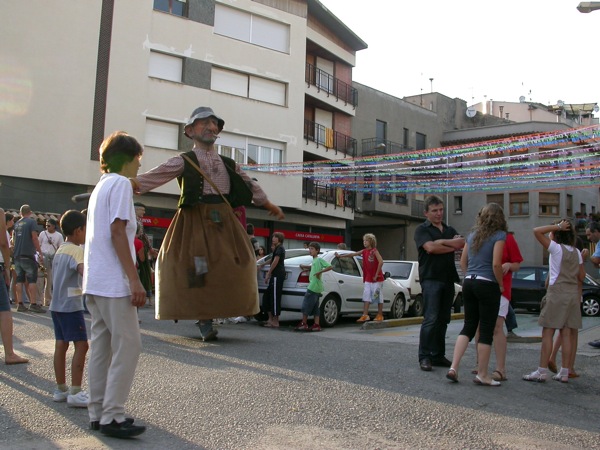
390 323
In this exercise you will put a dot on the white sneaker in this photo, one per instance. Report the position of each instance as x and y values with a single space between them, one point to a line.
60 396
79 400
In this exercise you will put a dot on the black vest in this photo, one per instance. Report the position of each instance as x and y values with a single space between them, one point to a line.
191 184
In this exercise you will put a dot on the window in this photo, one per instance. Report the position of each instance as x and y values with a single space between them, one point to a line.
421 143
166 67
458 204
251 28
380 131
345 266
243 150
162 134
401 199
519 204
495 198
405 137
368 184
384 182
549 204
569 205
175 7
249 86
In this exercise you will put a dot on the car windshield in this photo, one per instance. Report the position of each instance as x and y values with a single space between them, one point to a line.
398 270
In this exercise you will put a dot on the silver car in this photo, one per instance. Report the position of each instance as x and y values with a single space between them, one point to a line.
343 286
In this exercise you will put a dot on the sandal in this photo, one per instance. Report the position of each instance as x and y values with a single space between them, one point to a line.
478 381
562 377
498 376
452 375
535 376
552 367
475 371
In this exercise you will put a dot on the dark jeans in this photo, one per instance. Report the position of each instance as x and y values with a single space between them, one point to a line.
437 305
481 300
511 319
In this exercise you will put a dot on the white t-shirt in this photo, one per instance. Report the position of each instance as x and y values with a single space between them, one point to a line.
50 242
103 274
556 252
7 240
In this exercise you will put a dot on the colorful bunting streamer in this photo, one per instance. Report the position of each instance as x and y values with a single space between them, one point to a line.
554 160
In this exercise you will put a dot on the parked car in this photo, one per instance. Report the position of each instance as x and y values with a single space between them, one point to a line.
343 286
529 286
407 273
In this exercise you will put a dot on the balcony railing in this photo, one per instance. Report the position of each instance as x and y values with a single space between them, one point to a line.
376 146
329 138
328 194
324 81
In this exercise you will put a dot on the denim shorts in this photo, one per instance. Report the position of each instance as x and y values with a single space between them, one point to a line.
69 326
27 269
310 304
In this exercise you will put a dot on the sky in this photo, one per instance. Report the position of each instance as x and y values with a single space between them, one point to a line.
476 50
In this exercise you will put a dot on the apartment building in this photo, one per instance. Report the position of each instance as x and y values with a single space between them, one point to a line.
388 125
279 72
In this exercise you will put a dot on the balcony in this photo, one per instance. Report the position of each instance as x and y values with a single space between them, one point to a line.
330 85
376 146
329 138
328 195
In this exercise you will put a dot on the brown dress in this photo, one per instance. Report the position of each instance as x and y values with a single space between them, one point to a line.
228 288
561 305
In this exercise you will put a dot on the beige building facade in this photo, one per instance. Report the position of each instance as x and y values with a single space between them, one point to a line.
278 72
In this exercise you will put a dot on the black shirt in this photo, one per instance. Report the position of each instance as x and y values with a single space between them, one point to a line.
435 267
279 270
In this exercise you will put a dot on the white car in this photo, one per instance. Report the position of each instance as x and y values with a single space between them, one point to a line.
407 273
343 286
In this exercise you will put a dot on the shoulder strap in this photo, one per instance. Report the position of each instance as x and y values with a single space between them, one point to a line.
197 167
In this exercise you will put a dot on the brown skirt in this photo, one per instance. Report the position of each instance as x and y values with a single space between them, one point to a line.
206 266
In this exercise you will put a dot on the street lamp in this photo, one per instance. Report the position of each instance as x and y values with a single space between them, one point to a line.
588 7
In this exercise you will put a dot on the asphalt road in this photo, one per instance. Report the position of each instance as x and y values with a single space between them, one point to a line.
343 388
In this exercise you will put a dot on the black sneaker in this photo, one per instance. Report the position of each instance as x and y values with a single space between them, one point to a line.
121 430
95 424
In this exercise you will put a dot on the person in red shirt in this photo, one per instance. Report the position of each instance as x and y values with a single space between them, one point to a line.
511 262
372 276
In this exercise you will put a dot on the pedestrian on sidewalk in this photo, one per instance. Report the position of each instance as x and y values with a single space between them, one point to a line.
310 304
67 311
6 321
113 288
481 262
561 306
372 264
27 254
437 244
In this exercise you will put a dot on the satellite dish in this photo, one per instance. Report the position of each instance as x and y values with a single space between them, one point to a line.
596 109
560 103
522 99
471 111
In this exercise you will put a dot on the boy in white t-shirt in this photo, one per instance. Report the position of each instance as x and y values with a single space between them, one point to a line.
113 288
67 311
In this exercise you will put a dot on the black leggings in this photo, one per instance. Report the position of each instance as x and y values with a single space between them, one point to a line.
482 302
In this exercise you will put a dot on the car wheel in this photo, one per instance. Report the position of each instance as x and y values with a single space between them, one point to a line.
458 303
397 309
590 306
416 309
330 311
